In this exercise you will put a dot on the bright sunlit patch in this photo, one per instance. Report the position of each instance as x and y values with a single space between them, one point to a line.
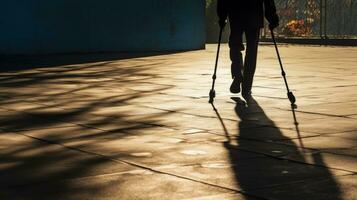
193 152
218 165
142 154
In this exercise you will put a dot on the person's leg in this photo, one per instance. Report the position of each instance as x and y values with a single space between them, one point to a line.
250 61
236 47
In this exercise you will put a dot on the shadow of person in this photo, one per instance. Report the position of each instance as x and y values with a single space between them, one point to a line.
274 170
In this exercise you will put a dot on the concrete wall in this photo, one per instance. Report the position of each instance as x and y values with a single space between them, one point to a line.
63 26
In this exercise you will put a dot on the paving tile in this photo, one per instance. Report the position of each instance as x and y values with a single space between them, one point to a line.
336 188
136 184
25 161
255 173
330 159
341 108
325 143
352 135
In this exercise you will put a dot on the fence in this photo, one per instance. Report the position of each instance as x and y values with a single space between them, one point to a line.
326 19
302 19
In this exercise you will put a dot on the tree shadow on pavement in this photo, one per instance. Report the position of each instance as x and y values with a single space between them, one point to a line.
10 63
279 171
56 123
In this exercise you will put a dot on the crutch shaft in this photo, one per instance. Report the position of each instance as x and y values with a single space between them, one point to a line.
214 77
279 58
212 93
291 96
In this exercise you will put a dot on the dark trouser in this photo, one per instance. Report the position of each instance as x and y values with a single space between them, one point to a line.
236 47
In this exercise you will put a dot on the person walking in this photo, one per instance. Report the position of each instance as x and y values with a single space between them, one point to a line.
245 17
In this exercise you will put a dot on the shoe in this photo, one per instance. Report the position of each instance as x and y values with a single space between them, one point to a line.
235 87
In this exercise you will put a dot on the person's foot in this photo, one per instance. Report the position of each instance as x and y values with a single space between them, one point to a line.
235 87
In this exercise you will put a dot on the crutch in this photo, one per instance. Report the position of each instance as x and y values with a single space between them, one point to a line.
212 93
290 94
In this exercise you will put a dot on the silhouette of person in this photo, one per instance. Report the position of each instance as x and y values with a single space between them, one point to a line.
264 172
245 17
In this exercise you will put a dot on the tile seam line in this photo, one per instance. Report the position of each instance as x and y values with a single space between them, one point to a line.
295 161
91 127
299 181
277 142
114 173
229 119
321 114
127 162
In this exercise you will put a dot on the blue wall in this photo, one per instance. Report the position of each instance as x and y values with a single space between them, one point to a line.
64 26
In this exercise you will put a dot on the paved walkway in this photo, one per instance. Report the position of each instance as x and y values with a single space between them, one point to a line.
141 128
